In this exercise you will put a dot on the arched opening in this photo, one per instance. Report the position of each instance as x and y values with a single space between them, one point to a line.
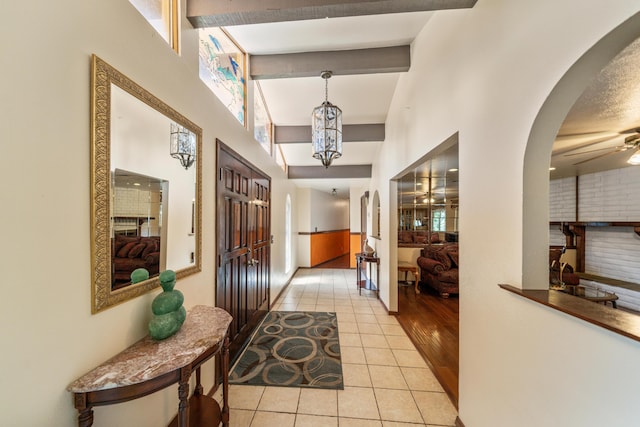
375 216
535 265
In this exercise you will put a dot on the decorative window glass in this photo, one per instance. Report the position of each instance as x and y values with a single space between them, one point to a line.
163 16
261 119
222 67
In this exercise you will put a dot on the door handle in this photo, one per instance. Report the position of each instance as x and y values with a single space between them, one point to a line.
253 262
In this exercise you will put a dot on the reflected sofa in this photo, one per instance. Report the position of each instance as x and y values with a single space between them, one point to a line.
439 268
131 252
417 238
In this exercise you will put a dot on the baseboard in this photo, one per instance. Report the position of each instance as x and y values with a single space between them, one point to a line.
284 288
459 422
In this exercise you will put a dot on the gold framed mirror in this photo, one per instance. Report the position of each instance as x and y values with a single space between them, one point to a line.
146 188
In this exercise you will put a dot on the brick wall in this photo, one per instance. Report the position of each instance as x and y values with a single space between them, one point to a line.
611 251
562 199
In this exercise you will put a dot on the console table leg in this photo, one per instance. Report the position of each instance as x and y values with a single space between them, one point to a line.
225 382
198 389
183 394
85 417
85 413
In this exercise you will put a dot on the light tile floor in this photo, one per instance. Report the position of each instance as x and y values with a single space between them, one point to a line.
386 381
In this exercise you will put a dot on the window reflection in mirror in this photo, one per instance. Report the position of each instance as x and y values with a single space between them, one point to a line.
428 200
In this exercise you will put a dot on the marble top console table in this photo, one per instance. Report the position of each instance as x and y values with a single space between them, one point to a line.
148 366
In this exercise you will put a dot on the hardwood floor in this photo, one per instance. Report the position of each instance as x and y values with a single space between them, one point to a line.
432 324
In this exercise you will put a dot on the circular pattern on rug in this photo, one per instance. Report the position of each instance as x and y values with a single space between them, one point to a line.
318 372
295 349
255 360
332 348
281 374
297 320
321 331
273 329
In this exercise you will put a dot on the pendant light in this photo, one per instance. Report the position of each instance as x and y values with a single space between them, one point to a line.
326 128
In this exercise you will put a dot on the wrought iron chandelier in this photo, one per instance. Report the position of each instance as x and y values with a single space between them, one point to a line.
326 128
182 145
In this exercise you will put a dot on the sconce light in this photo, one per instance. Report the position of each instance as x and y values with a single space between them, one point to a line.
183 145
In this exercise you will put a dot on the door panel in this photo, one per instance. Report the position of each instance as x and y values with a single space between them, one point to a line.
243 220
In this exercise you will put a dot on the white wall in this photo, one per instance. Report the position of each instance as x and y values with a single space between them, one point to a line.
486 72
46 264
328 213
318 211
355 193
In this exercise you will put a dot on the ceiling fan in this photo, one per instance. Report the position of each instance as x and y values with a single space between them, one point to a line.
631 141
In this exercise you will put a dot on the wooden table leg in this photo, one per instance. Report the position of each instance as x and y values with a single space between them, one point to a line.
417 280
85 413
358 275
225 382
183 395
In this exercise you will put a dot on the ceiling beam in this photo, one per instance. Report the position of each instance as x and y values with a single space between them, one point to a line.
350 133
332 172
216 13
394 59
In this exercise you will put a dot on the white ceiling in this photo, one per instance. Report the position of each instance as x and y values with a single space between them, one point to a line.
363 99
592 137
598 121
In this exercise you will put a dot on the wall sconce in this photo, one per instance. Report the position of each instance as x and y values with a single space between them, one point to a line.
182 145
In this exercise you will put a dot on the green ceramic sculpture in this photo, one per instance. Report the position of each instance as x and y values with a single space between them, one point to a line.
139 275
168 312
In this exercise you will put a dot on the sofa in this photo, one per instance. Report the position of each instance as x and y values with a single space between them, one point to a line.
439 268
417 238
131 252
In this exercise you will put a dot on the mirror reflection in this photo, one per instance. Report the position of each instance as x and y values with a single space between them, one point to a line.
428 201
141 149
137 226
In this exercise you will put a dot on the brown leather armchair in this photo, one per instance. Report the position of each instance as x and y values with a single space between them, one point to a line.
439 268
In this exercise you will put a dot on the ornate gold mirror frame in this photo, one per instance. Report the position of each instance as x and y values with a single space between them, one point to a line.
103 77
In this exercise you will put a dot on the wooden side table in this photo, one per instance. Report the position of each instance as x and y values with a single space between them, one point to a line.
148 366
367 283
413 269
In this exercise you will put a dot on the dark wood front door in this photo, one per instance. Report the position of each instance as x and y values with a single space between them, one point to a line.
244 243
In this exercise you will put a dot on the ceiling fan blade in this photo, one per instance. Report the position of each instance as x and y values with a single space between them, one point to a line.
594 150
574 147
596 157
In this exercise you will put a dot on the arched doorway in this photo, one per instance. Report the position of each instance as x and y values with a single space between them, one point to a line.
541 138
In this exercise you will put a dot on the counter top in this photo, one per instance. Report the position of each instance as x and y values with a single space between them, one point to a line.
147 359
